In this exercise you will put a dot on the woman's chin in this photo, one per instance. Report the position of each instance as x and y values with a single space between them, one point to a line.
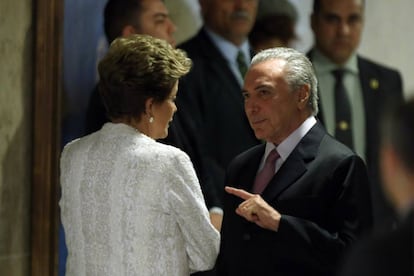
164 135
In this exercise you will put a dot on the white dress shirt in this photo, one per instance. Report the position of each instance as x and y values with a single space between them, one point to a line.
289 144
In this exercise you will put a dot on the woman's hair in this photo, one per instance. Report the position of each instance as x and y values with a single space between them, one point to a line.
137 68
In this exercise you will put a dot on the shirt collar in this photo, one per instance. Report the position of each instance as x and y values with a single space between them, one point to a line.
288 145
228 49
324 65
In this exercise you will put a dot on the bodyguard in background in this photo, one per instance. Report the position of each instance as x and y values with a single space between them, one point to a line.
367 88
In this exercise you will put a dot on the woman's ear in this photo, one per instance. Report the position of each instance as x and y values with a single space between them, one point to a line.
148 106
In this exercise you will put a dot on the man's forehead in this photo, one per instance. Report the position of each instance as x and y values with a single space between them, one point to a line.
152 7
340 6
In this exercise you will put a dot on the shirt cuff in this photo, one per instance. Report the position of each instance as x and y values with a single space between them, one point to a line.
216 210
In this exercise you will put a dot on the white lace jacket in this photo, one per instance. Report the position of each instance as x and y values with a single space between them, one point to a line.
133 206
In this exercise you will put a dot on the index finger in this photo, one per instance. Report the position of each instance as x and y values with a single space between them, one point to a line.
238 192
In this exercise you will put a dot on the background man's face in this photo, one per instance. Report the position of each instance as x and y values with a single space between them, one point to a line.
155 21
338 28
232 19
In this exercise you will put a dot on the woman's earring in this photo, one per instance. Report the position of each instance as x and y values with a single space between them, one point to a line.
151 119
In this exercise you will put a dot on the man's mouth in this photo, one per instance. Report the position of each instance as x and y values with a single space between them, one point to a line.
257 121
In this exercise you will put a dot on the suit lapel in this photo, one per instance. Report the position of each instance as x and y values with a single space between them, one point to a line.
370 91
296 164
218 65
290 171
370 83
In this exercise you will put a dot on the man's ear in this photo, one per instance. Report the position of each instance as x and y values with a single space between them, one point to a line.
128 30
303 96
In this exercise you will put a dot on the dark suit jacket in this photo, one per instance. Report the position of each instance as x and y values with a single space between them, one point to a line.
384 255
211 96
381 88
322 193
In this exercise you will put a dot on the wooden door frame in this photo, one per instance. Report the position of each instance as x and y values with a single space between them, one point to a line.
47 83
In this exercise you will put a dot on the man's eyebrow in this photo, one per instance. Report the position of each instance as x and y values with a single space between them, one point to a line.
330 15
261 86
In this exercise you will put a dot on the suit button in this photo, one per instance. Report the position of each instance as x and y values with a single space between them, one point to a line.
246 237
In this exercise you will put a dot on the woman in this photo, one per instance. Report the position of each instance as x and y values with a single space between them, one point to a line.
131 205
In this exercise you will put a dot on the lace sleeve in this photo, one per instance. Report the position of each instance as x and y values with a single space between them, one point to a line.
187 202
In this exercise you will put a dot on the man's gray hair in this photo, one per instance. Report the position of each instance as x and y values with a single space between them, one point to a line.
298 71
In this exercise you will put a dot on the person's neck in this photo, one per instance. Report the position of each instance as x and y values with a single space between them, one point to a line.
235 40
337 62
295 124
139 125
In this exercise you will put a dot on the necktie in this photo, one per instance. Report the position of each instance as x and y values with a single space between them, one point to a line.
264 176
241 62
343 120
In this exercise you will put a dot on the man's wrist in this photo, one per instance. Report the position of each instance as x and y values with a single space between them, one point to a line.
216 210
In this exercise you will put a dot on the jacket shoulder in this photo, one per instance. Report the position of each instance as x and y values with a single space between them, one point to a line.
374 65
